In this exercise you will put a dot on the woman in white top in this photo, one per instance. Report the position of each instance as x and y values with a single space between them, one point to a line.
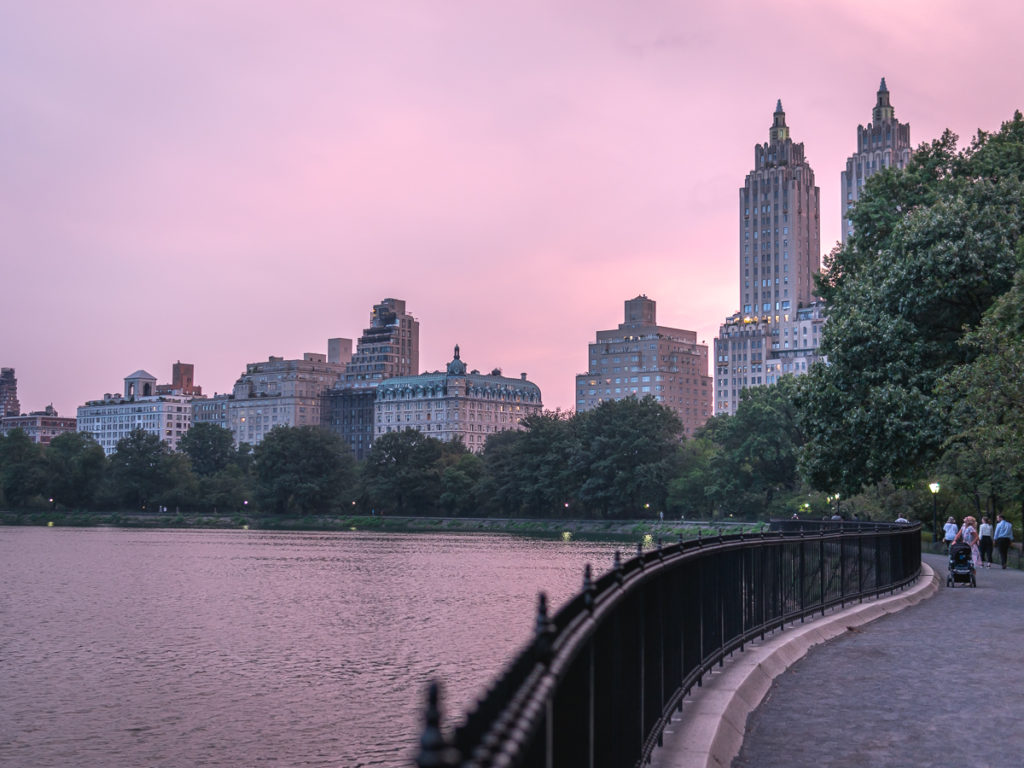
949 532
985 542
968 534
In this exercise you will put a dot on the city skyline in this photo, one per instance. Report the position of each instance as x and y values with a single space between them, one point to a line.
216 187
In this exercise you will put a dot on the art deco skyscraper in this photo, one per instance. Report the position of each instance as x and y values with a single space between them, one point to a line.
779 227
779 253
884 143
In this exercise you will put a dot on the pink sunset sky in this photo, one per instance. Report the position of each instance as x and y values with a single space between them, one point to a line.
219 182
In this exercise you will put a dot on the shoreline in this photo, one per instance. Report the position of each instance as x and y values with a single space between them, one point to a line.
646 531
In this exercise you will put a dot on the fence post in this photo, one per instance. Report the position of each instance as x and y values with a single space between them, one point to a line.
544 630
435 752
842 568
860 565
821 570
802 565
588 589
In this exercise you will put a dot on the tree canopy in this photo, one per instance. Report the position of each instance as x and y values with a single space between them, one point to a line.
933 247
303 470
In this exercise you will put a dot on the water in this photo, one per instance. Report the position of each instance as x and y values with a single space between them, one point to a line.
242 648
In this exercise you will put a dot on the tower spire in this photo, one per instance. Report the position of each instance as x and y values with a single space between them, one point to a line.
779 130
883 110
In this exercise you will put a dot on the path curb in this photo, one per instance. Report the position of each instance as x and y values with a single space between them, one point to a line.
709 732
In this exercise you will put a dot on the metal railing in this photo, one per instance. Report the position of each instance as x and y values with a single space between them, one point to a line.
600 680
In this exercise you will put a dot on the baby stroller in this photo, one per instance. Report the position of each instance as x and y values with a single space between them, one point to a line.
961 566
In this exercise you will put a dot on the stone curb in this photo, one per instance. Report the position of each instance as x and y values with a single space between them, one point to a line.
710 730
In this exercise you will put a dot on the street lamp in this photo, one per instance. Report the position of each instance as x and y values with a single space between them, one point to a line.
934 488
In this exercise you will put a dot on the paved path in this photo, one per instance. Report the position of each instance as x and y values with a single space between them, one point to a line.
937 684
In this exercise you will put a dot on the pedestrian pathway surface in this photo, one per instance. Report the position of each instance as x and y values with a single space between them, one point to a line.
936 684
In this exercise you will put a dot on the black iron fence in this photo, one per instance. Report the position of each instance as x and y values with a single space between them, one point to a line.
599 681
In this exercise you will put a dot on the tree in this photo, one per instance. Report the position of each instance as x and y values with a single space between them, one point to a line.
933 247
22 468
138 470
210 447
226 490
459 477
529 471
179 485
76 464
688 489
402 473
626 453
302 470
984 402
757 451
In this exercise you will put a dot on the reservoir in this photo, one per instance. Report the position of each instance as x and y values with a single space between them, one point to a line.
129 647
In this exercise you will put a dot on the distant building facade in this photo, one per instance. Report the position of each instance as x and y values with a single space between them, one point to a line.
9 405
389 347
211 410
642 358
884 143
274 393
168 416
779 254
348 412
40 426
757 352
455 404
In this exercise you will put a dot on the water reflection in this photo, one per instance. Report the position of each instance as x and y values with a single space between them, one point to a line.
128 647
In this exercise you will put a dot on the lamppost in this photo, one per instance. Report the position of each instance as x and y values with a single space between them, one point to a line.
934 488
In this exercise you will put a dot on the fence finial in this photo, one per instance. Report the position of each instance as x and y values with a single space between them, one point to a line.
544 630
435 752
588 588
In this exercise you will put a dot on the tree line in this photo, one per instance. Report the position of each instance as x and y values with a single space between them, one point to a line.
624 459
924 382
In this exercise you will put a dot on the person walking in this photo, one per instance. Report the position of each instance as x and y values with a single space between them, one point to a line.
985 542
1003 538
949 531
968 534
